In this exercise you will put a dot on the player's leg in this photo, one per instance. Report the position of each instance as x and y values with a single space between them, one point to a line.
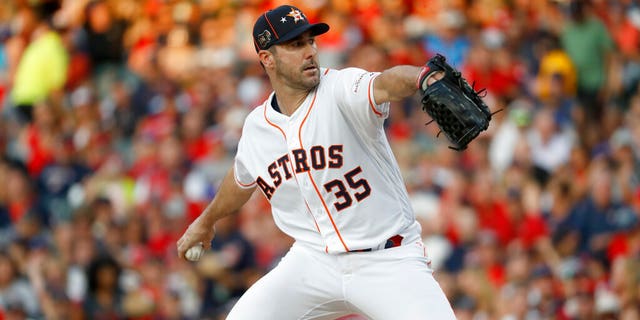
304 285
397 283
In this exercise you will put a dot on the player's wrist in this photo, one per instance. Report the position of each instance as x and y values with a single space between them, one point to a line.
428 77
422 75
208 219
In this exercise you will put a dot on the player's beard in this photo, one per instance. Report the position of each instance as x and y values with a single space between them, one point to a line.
297 76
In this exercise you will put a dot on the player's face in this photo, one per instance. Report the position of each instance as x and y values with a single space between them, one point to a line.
296 62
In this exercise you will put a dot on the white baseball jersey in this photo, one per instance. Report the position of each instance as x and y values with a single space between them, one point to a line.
328 170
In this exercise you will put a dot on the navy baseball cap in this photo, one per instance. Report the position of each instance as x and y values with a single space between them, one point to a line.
281 25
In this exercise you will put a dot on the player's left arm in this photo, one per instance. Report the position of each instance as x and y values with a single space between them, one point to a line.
397 83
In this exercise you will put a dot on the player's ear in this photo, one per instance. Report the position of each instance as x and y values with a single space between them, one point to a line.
266 58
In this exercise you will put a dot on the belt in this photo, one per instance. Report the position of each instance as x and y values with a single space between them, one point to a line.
392 242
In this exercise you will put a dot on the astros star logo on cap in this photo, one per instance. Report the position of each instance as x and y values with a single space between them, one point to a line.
296 15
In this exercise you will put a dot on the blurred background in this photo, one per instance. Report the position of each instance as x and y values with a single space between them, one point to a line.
118 119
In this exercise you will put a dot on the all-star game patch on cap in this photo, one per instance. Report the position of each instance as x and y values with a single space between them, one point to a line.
281 25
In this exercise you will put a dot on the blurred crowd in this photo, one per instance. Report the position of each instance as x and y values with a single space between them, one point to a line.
118 119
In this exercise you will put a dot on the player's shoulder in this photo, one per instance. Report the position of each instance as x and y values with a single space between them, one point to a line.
344 77
258 111
330 72
257 114
349 78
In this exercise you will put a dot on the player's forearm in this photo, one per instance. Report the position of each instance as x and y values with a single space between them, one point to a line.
396 83
229 199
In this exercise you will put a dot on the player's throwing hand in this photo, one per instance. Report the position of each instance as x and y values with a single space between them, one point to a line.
196 239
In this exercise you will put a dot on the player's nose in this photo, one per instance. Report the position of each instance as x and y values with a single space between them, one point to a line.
310 50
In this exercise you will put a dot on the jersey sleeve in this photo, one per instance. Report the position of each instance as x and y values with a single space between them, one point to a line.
354 88
241 173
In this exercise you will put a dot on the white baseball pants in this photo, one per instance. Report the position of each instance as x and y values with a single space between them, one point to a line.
389 284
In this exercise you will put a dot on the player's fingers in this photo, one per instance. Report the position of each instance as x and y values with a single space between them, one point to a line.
206 243
183 245
181 252
434 77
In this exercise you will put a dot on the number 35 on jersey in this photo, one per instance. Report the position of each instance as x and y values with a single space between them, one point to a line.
348 187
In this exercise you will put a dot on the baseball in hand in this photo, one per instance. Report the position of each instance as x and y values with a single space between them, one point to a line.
194 253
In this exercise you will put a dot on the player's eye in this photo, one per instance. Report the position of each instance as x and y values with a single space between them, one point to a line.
295 43
303 42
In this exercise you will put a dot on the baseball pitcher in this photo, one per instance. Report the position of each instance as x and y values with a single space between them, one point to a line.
317 150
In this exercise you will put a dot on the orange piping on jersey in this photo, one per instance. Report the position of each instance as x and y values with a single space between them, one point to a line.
311 214
271 123
369 94
326 71
324 204
244 185
326 248
290 165
305 200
